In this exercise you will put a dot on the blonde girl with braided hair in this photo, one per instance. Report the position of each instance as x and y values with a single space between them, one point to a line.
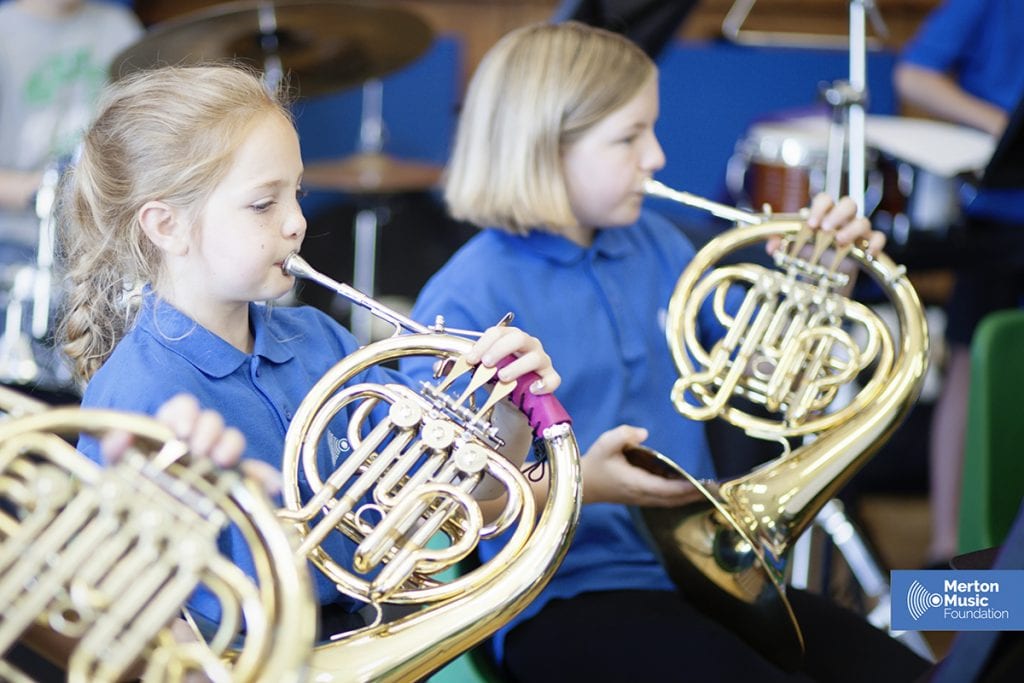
175 223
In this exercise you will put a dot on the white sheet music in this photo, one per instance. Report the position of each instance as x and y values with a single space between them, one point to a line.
944 149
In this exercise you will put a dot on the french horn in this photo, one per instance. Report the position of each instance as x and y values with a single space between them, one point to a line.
405 496
104 559
792 340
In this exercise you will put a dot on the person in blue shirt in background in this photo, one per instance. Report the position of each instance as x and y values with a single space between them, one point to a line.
555 142
966 65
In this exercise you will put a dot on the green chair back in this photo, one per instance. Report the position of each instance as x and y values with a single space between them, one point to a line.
993 476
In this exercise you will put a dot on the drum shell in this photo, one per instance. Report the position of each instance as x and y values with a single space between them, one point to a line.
783 164
780 164
916 199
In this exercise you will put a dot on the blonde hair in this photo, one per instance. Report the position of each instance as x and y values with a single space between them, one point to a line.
536 91
168 134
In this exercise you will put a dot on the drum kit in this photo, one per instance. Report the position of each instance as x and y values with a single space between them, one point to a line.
316 48
908 175
782 163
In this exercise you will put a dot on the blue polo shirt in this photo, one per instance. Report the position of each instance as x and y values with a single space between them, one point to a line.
166 353
981 44
600 313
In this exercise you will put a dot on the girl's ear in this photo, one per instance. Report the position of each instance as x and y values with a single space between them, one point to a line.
164 227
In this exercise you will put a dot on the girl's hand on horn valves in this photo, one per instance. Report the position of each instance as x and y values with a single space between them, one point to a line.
499 342
842 219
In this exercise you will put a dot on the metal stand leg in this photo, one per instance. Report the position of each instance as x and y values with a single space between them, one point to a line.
371 140
865 568
364 270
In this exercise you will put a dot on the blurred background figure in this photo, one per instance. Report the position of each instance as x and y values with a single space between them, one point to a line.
966 65
54 57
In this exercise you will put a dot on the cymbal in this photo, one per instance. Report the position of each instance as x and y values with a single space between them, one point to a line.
323 46
371 173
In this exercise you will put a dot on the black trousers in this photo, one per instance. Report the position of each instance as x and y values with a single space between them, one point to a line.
633 636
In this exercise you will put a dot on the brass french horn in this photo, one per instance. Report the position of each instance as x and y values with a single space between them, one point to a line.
404 495
105 558
792 340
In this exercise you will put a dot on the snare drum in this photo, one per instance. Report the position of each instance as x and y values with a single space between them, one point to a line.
783 164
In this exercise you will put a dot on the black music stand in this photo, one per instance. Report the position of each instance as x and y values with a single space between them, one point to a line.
651 24
1005 170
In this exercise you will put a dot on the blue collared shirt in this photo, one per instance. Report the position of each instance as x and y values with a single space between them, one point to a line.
167 353
600 313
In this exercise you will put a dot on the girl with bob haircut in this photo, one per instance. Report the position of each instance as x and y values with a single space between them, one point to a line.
506 166
554 145
175 224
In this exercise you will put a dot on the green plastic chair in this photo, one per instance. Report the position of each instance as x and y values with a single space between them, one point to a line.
993 475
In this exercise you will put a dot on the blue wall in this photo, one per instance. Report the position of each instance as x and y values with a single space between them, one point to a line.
420 109
711 93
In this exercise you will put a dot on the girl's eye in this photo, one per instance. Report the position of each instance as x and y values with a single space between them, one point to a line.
262 207
300 194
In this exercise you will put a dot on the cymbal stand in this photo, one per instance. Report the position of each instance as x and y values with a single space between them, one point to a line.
43 285
367 221
273 70
31 286
847 141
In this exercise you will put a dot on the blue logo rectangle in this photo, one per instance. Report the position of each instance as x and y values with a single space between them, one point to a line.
958 600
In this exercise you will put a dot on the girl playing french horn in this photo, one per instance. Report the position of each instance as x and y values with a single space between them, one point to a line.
555 142
175 223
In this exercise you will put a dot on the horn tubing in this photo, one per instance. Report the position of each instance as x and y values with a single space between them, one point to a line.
429 639
412 647
298 267
655 188
729 551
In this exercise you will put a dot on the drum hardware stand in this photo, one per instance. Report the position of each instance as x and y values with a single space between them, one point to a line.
273 70
848 540
368 219
847 139
42 287
17 360
732 28
31 285
848 99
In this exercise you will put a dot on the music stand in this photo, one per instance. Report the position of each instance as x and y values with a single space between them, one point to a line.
1005 170
651 24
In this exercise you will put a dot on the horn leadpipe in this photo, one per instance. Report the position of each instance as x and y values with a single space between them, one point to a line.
657 189
297 266
543 410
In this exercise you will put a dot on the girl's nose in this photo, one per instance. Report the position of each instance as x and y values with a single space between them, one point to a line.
654 155
295 226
